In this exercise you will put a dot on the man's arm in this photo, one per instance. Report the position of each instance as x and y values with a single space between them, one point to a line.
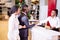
26 22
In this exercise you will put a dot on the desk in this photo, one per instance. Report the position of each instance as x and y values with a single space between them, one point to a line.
40 33
33 20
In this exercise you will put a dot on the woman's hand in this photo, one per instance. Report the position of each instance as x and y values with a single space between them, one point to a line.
24 26
47 27
20 27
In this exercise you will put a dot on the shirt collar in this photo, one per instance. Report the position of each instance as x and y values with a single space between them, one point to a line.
53 17
24 13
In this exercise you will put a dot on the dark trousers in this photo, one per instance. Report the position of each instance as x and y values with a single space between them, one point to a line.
23 38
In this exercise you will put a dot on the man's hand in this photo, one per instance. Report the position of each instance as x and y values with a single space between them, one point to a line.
36 22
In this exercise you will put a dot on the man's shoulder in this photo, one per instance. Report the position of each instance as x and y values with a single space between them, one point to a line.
24 17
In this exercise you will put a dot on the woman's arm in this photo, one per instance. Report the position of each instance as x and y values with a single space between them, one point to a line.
11 24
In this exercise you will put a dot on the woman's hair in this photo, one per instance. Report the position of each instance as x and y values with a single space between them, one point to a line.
14 9
56 11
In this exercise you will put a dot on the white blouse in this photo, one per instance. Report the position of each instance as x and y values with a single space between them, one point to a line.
54 22
13 25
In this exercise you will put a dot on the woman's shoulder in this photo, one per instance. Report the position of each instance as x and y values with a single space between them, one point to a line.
12 17
57 17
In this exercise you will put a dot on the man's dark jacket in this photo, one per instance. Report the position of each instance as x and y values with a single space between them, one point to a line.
23 20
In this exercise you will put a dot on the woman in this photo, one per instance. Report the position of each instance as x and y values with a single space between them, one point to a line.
53 20
13 24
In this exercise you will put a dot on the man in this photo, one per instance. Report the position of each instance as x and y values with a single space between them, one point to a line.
53 20
24 22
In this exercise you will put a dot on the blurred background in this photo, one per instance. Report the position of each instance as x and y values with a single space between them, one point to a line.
5 6
40 10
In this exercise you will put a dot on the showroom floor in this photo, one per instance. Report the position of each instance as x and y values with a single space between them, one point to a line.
4 30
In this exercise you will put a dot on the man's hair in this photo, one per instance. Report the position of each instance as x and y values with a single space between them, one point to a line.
56 11
24 6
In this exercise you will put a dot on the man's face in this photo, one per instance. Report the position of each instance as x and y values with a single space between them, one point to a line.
53 13
26 9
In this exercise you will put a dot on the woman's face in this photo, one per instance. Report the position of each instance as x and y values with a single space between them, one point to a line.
53 13
18 11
